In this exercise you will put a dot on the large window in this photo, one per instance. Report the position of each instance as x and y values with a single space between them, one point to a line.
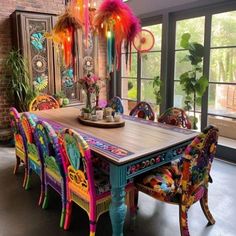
137 82
220 55
195 27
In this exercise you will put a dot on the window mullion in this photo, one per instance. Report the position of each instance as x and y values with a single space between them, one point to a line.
206 66
139 77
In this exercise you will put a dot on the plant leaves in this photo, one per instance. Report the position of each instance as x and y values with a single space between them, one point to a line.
184 43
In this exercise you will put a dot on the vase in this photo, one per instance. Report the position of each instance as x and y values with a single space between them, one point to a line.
88 101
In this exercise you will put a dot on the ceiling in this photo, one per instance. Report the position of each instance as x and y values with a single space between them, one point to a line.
141 7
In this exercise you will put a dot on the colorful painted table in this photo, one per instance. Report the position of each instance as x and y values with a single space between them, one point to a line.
131 150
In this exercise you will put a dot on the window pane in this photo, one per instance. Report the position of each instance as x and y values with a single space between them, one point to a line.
223 65
156 30
222 100
179 96
150 64
181 66
147 91
194 26
125 72
223 29
129 89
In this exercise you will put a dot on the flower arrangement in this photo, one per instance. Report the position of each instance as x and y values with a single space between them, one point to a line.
90 85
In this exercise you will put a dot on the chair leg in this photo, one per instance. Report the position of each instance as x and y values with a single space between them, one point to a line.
133 201
205 208
92 226
63 212
68 215
28 178
183 220
17 164
45 198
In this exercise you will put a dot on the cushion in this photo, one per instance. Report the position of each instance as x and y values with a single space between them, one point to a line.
161 183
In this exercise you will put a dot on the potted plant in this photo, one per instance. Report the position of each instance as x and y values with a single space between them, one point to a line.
60 96
19 81
157 89
194 82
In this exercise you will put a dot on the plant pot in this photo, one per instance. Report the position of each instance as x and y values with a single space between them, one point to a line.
87 116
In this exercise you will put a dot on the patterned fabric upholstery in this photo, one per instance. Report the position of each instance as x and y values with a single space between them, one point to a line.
19 141
52 170
43 102
185 182
28 122
143 110
116 104
87 185
175 116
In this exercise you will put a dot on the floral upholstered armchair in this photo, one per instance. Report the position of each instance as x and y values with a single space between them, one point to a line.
175 116
186 182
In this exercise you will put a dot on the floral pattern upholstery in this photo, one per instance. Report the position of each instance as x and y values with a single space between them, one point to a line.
185 182
43 102
116 104
143 110
175 116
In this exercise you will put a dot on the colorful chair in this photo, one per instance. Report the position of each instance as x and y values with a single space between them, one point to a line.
43 102
19 143
186 182
143 110
28 123
52 171
175 116
87 186
116 104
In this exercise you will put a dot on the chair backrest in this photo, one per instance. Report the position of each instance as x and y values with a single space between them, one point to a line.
28 123
43 102
143 110
16 127
49 147
196 163
175 116
78 163
116 104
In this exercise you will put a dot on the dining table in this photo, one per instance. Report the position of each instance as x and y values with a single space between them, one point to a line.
137 147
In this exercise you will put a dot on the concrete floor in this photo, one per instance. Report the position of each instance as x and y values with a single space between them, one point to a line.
20 215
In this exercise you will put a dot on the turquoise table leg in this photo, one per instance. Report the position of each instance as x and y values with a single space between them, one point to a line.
118 207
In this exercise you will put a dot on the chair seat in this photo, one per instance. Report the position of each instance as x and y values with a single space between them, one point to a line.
162 183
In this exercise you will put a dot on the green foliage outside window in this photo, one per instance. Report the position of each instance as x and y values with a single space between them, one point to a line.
193 82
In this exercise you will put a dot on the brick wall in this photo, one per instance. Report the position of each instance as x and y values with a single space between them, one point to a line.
48 6
7 7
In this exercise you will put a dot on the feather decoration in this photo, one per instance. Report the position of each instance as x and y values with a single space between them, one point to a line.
116 16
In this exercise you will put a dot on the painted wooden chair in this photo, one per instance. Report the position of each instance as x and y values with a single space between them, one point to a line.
116 104
43 102
175 116
52 171
87 186
19 143
186 182
28 122
143 110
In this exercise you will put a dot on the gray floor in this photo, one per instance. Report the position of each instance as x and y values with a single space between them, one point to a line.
20 215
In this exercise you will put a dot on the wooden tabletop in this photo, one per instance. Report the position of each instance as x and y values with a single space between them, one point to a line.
138 137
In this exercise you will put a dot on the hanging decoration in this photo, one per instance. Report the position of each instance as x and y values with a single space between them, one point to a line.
116 21
78 15
144 41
